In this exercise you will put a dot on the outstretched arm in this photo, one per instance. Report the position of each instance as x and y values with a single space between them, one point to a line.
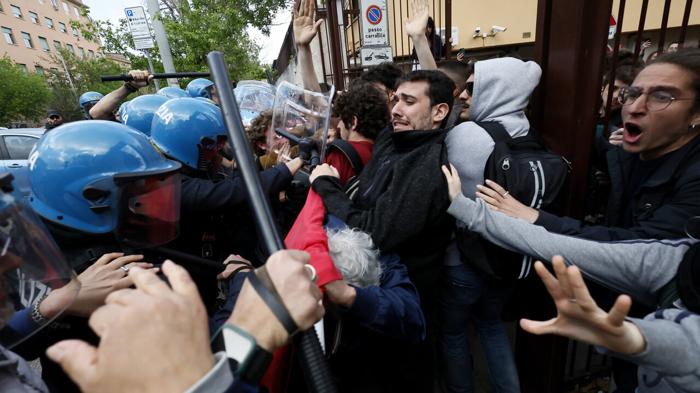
580 318
415 28
305 29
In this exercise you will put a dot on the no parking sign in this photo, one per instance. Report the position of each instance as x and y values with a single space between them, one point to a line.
375 30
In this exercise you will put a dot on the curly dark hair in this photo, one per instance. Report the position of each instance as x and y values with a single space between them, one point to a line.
363 101
257 130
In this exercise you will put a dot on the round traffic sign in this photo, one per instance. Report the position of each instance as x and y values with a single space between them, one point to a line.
374 14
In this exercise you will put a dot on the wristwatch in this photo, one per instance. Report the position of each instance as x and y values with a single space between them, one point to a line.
248 361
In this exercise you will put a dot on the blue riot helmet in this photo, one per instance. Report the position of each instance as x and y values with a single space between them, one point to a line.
172 92
31 268
121 111
88 100
207 100
200 87
101 177
140 111
189 130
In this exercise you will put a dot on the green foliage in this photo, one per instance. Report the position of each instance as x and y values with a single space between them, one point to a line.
195 28
84 75
23 96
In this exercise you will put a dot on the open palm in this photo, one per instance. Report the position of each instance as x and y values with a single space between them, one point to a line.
305 27
416 24
579 317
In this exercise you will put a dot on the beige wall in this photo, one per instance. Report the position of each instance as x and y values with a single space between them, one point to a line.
30 57
654 14
519 16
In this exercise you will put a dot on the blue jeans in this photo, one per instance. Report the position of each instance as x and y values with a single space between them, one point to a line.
465 294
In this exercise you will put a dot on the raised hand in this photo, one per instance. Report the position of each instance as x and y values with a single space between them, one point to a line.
305 28
416 24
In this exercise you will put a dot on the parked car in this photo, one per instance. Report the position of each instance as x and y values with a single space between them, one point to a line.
15 146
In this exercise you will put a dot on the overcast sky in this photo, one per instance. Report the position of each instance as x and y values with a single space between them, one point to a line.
112 10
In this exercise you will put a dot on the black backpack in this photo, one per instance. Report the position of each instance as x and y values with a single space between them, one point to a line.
350 153
533 175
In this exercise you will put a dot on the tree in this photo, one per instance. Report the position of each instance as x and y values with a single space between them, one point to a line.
23 96
85 76
196 27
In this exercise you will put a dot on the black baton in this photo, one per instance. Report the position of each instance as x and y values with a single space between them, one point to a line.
316 372
163 75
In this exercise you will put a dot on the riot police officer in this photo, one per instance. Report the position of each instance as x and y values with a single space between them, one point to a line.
192 132
102 189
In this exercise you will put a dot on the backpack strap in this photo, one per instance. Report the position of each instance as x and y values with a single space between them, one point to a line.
350 153
496 130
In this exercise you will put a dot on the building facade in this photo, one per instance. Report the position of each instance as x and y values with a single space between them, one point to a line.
32 30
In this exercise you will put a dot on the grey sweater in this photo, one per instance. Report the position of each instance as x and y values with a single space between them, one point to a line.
502 88
671 360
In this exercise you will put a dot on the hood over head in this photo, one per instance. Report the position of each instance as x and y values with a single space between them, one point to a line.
502 89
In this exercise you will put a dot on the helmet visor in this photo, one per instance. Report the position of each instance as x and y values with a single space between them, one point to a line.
32 269
149 208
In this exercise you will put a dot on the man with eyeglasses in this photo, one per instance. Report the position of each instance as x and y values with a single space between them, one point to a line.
53 119
655 176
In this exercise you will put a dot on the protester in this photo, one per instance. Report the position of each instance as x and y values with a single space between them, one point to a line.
362 116
656 273
655 177
499 91
401 200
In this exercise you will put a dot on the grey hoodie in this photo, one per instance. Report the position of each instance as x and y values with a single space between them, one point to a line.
502 89
670 362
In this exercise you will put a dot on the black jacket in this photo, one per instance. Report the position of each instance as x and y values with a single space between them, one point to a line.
660 207
402 200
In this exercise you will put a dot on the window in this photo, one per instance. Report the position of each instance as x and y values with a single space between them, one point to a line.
34 17
49 22
76 12
39 70
62 27
16 11
57 45
9 38
44 44
70 49
82 52
27 40
19 146
22 66
91 54
65 8
74 31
